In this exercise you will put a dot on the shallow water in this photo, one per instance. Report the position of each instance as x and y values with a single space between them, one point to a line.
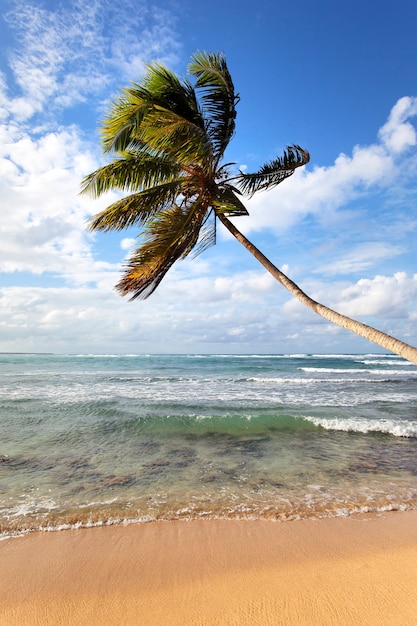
90 439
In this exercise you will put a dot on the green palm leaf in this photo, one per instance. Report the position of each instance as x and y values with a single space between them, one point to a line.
135 209
162 114
167 91
167 133
218 98
273 172
133 171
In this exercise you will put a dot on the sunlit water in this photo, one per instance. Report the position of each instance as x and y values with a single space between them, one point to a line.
90 439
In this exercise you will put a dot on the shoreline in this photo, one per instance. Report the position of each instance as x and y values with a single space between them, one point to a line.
116 520
359 569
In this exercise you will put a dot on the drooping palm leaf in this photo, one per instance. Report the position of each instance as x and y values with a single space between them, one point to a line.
207 234
169 236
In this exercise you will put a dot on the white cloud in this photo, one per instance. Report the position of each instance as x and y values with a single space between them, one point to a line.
323 190
127 243
383 296
86 319
69 53
45 226
398 133
388 303
64 55
248 311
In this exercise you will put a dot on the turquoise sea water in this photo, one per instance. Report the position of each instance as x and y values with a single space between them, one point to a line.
94 439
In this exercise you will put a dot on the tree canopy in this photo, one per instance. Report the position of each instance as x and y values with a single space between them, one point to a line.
168 138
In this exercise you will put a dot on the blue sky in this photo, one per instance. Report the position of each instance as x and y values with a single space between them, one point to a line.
337 78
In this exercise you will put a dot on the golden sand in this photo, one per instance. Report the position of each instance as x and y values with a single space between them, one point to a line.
352 571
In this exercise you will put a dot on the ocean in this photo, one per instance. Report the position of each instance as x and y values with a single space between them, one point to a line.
104 439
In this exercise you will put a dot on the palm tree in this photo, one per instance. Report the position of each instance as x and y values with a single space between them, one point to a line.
168 137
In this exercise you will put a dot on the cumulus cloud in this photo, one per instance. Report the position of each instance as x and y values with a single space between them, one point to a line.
45 226
382 296
64 55
388 303
127 243
397 134
87 318
322 190
67 320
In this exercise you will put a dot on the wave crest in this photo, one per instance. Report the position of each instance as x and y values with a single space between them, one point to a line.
398 428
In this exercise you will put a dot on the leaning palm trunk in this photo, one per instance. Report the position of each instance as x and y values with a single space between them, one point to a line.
372 334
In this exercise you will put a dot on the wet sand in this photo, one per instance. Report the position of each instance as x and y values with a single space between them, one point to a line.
344 571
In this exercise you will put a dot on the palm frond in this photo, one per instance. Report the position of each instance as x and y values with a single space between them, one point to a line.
169 92
162 114
132 172
273 172
135 209
218 97
167 133
169 236
124 118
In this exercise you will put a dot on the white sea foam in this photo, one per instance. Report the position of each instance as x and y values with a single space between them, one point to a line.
311 381
334 370
29 506
387 362
398 428
250 356
352 356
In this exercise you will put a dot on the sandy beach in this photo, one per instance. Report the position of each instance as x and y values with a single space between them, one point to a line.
356 570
